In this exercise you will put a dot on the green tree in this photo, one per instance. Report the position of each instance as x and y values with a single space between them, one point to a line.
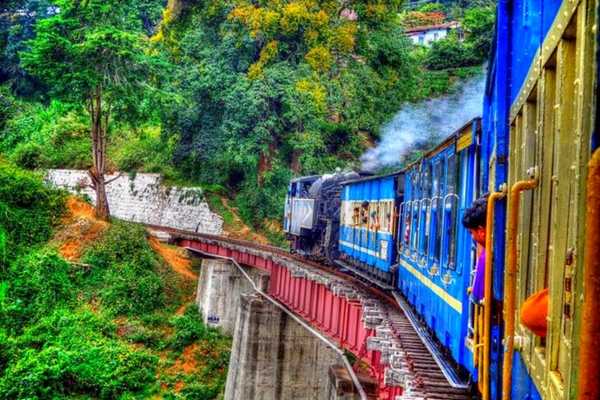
94 53
479 26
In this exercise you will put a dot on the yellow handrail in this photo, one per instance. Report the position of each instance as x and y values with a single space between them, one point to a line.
589 357
487 293
510 281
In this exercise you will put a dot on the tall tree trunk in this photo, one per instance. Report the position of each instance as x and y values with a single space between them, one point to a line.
265 163
295 164
99 121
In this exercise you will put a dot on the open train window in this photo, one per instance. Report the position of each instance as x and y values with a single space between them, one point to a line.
385 216
355 213
373 224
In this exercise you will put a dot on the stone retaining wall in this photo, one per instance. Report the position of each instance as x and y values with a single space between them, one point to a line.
144 198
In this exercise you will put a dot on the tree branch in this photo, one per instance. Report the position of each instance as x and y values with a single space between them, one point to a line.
114 179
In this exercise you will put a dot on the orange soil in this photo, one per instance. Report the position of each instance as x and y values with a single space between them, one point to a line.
187 363
240 230
79 228
175 257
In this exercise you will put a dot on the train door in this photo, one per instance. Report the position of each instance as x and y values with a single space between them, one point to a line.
465 192
549 145
287 210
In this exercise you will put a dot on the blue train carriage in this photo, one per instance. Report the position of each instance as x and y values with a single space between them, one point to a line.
368 226
436 254
540 115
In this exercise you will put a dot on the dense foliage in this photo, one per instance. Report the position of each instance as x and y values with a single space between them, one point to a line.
254 92
96 328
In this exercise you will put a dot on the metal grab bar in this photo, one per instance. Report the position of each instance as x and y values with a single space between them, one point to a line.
487 292
514 201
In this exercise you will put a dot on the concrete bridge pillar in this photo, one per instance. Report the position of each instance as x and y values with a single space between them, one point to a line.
219 289
273 357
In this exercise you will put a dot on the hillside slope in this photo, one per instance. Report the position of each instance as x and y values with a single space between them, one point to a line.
94 309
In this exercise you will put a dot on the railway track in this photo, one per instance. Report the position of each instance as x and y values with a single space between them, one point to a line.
414 360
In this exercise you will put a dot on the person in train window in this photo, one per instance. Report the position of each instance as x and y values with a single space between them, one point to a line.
374 220
474 220
364 212
356 216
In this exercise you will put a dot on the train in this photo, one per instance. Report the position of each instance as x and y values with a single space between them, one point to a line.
533 153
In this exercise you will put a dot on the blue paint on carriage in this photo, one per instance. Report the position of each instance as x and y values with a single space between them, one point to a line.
521 27
522 384
530 21
369 247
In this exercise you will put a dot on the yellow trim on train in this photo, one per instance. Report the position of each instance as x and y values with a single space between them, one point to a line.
441 293
465 140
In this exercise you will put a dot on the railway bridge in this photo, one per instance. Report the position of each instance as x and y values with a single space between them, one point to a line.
392 358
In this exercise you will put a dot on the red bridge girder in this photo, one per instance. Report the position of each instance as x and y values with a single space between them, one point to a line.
333 314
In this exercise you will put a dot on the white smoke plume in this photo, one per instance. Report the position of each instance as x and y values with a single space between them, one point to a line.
425 122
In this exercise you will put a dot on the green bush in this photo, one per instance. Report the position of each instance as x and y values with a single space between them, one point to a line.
72 354
123 242
37 283
28 209
131 290
143 150
450 53
125 270
29 155
199 391
190 328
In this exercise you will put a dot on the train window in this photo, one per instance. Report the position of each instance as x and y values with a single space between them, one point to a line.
385 216
424 228
406 218
436 207
450 207
425 213
355 213
415 223
364 214
451 174
373 216
426 180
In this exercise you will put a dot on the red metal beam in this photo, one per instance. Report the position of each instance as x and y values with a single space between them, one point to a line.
331 314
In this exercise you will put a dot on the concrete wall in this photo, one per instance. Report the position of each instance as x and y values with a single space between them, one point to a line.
144 198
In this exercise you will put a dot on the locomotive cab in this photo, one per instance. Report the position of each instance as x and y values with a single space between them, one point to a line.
311 219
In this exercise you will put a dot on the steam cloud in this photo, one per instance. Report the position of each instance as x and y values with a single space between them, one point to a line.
416 125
